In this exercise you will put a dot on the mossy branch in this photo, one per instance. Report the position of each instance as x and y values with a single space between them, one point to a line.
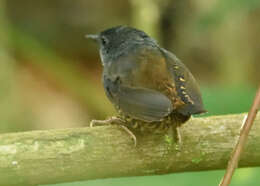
55 156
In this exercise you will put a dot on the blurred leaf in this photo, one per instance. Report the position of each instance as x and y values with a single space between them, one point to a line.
225 7
65 73
226 100
242 177
13 116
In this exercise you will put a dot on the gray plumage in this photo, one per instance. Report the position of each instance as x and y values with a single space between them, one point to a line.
143 80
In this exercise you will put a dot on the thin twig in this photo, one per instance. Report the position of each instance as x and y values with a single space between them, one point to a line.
246 126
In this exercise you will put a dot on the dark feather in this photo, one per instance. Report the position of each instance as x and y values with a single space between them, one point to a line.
186 86
139 103
144 104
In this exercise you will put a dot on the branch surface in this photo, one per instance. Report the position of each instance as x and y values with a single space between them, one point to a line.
55 156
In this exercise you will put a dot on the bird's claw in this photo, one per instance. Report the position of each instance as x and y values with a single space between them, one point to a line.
130 133
117 121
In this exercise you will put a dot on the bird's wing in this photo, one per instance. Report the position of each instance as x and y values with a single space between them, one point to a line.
139 103
186 86
144 104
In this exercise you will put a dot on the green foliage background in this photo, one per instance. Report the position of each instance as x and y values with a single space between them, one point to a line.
50 75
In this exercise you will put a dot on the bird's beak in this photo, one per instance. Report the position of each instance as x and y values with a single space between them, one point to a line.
95 37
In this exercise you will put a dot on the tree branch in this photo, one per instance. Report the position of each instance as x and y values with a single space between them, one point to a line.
54 156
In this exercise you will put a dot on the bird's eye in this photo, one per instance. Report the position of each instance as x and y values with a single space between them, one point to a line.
104 40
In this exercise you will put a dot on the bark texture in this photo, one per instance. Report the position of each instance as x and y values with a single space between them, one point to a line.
55 156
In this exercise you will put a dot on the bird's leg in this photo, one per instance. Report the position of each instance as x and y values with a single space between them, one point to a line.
130 133
116 121
177 135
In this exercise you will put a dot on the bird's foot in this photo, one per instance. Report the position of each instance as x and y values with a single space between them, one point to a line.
114 121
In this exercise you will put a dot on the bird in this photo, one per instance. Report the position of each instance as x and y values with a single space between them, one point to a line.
146 83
